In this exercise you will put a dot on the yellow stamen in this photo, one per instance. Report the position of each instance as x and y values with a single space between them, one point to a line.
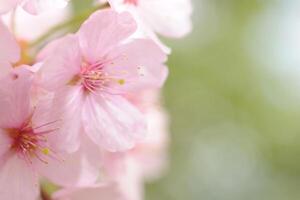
46 151
121 81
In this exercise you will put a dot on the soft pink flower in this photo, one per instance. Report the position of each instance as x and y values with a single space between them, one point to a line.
23 138
31 146
31 6
151 155
170 18
80 169
124 173
90 73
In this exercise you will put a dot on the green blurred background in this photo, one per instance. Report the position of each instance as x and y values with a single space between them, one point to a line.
234 112
234 124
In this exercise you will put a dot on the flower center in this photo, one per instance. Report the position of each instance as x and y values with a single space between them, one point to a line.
93 78
30 142
132 2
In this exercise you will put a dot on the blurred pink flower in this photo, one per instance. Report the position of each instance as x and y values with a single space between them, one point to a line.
90 73
31 6
125 183
170 18
151 155
39 24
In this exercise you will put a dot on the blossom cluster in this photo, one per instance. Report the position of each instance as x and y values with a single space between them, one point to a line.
81 110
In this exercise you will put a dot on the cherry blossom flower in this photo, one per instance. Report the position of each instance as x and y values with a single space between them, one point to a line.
170 18
151 155
24 138
31 146
124 173
84 114
90 74
31 6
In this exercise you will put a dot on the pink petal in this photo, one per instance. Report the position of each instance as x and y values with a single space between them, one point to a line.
153 36
68 105
102 31
77 169
48 120
143 59
50 48
127 186
17 180
152 154
39 25
5 69
171 18
5 143
9 49
112 122
63 63
14 98
7 5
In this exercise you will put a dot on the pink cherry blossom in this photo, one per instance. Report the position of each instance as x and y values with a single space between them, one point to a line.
84 113
31 6
124 173
151 155
91 72
80 169
171 18
23 138
31 146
